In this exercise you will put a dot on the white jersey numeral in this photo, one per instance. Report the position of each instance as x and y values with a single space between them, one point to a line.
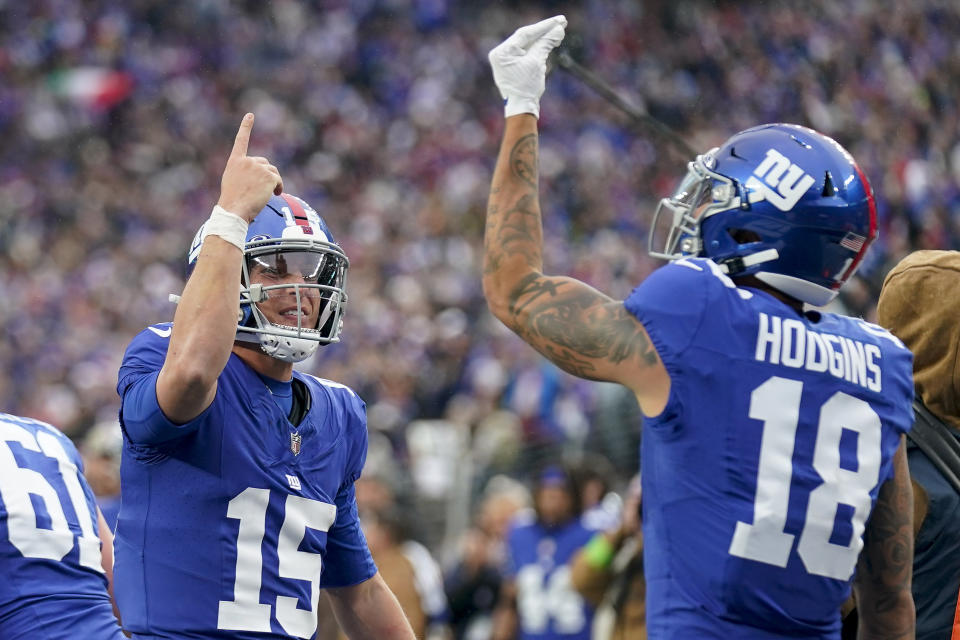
18 484
541 599
776 403
245 612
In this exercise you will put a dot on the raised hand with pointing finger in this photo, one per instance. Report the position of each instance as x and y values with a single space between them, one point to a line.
248 181
222 434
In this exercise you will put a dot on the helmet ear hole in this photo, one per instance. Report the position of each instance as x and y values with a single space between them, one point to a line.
744 236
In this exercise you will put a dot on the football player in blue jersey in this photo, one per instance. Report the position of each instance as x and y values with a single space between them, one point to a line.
56 552
538 601
773 458
237 479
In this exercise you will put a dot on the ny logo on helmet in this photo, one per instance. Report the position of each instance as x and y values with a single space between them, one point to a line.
783 183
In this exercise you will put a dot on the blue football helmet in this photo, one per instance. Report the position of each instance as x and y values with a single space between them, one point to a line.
779 201
288 243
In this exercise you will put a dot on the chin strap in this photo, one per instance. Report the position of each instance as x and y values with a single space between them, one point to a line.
733 266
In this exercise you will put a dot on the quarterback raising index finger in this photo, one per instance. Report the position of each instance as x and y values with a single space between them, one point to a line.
238 503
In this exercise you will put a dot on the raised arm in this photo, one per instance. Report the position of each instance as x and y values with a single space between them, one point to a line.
882 586
205 323
580 329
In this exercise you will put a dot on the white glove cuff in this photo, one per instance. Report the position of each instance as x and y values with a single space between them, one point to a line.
226 225
515 105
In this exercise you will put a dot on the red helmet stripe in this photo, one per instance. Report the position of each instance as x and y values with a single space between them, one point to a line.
872 205
299 215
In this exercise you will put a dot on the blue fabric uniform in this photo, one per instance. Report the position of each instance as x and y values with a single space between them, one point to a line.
936 554
230 523
538 561
760 473
53 583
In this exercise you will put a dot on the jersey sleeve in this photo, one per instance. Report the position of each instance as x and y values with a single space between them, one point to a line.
142 420
671 303
348 560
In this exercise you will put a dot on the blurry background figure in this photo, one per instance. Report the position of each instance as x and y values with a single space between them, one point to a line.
389 519
409 570
919 305
474 579
100 450
608 573
596 478
536 600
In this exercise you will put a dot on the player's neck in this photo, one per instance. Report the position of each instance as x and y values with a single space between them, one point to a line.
262 363
754 283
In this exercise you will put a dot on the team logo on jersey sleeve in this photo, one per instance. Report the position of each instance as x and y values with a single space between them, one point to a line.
295 440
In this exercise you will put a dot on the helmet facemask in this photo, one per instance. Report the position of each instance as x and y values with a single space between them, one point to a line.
300 280
702 193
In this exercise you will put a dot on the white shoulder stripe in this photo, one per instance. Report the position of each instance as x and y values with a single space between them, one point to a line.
683 262
333 385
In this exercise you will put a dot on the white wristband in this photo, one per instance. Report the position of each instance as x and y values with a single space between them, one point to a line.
515 105
226 225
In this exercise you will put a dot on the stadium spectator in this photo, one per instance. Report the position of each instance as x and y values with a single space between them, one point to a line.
474 580
100 450
595 477
537 601
918 304
410 571
608 573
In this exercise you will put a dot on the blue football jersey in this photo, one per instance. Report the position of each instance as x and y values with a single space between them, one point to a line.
761 472
230 524
53 582
538 561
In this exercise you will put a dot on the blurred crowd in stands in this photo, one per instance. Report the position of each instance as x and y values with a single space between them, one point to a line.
116 117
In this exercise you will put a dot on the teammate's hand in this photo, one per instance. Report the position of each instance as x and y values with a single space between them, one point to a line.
248 181
520 64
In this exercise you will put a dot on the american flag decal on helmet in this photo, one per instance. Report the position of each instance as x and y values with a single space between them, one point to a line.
853 241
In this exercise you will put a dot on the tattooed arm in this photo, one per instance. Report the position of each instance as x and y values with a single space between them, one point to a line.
577 327
882 585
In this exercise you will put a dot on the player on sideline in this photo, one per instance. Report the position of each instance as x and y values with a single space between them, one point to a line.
56 551
237 476
773 443
537 600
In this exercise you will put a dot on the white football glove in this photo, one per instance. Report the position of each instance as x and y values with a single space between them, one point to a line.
520 64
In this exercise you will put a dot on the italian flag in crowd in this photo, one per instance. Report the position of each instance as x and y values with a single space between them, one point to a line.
92 87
